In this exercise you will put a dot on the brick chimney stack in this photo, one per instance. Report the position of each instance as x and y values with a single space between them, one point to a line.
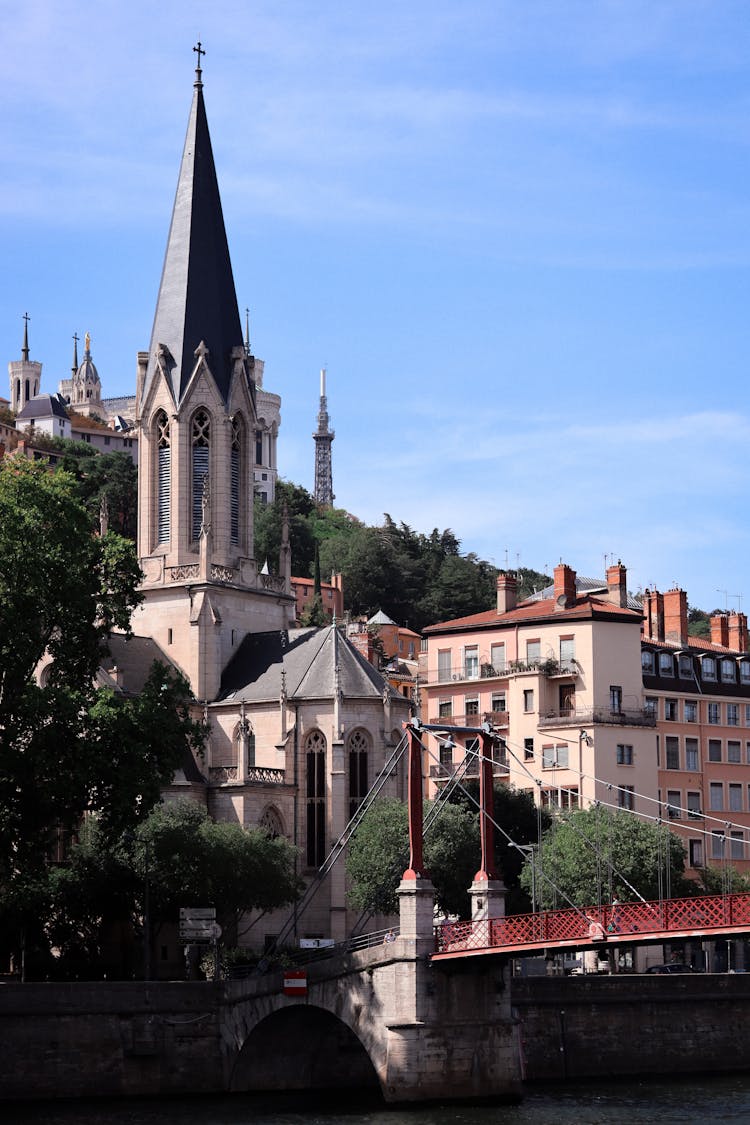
720 630
617 585
738 632
565 586
653 615
507 591
676 616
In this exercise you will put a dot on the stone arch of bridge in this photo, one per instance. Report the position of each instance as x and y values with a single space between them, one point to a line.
303 1047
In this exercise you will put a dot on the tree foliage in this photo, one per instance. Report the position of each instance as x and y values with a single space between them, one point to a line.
379 852
593 855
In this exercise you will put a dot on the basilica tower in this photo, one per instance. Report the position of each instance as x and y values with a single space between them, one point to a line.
25 374
196 407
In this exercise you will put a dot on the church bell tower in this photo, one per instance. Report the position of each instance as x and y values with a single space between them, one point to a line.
196 407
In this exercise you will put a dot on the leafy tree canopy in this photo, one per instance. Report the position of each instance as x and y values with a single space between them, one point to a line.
595 854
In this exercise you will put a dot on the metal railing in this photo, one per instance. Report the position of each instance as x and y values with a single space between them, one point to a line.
573 717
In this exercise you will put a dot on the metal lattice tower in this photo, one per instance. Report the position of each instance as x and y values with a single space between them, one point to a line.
323 438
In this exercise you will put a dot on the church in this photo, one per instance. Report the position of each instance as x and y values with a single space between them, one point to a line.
299 723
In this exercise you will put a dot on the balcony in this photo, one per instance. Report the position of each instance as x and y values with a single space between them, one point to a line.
469 672
592 716
256 775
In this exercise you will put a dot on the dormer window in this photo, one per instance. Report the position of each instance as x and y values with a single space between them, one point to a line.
666 667
745 671
708 667
647 661
685 664
728 671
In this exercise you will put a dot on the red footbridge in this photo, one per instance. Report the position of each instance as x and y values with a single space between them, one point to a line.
707 916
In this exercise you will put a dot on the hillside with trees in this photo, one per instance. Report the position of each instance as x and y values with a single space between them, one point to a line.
416 578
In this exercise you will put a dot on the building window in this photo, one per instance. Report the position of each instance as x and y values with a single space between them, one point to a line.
624 754
674 801
626 797
497 659
528 700
471 662
685 666
528 749
696 853
672 749
691 754
498 702
236 478
567 654
713 714
315 798
733 715
716 796
647 661
533 652
708 668
444 664
666 664
555 757
445 709
734 751
650 705
691 711
258 447
714 749
717 845
728 671
745 671
670 710
163 482
201 434
471 707
615 699
736 846
694 806
359 747
446 752
735 797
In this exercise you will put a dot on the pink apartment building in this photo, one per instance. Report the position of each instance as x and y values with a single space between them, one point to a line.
600 698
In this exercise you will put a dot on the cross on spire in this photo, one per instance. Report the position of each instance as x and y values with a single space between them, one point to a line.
25 348
199 51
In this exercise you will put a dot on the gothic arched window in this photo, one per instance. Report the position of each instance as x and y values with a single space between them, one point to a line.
200 436
315 798
358 747
238 440
163 461
271 822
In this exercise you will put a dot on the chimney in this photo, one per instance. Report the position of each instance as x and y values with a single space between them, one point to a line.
720 630
653 615
738 632
363 644
617 585
507 591
675 616
565 587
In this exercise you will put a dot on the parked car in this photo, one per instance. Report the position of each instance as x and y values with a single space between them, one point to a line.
672 967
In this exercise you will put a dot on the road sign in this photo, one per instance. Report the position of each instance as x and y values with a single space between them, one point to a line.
198 923
295 982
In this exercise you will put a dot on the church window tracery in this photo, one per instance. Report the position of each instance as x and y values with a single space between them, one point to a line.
359 748
163 463
238 430
200 443
315 798
271 822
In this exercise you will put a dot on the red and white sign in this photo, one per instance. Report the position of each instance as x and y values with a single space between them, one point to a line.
295 982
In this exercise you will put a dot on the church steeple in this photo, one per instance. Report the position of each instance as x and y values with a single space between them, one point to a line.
196 313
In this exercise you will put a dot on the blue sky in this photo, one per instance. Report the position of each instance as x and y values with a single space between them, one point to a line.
517 235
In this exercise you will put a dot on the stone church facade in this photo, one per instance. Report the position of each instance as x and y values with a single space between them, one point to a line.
300 724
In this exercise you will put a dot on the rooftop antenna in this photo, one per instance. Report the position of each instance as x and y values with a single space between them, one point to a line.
506 558
727 596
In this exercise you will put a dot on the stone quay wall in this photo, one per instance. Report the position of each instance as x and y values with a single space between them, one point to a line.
598 1027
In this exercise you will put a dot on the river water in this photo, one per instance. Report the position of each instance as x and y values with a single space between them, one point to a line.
634 1102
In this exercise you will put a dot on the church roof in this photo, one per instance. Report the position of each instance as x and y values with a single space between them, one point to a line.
197 301
43 406
380 618
309 658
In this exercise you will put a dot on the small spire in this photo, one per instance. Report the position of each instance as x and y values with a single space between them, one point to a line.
247 332
25 348
198 72
74 368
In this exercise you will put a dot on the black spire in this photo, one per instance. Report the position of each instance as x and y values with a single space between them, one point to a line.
197 303
25 348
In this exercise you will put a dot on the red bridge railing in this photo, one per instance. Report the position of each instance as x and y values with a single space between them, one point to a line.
623 920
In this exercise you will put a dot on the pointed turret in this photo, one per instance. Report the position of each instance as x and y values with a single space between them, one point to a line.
196 312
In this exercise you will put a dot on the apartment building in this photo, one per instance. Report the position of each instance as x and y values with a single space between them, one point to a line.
699 692
559 676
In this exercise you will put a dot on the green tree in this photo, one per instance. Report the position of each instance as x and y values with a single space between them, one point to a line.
594 855
268 520
190 860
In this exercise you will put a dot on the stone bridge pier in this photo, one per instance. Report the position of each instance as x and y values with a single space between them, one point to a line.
383 1018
